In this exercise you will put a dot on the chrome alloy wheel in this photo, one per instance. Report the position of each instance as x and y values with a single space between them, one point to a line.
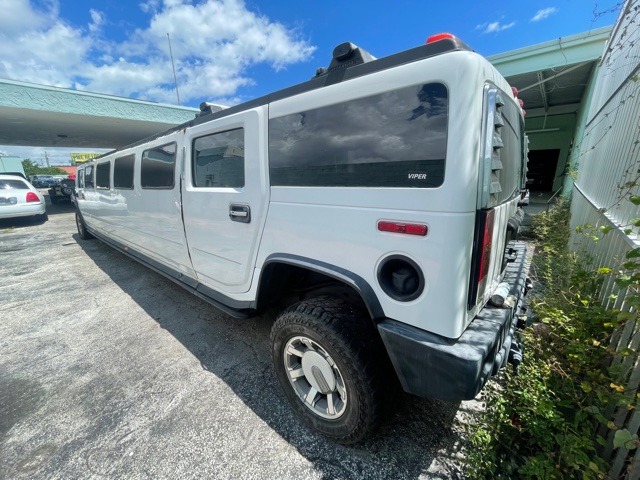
315 377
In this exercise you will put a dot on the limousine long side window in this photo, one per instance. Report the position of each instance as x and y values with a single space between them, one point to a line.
88 177
393 139
158 167
123 172
103 173
218 159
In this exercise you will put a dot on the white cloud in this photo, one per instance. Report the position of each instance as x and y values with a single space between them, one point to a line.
544 13
494 27
213 42
97 20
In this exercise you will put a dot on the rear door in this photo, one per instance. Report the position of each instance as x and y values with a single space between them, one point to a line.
225 197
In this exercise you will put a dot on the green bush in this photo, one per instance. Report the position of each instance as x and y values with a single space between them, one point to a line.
543 422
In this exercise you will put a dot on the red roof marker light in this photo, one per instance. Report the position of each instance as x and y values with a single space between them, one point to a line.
439 36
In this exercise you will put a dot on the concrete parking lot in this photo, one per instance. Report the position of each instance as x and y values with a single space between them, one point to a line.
109 370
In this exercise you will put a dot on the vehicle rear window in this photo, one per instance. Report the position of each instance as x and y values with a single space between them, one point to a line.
511 154
15 184
393 139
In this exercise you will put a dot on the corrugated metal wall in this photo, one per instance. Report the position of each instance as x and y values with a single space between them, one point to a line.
609 170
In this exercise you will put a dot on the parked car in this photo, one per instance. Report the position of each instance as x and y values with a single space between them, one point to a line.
18 198
43 181
62 191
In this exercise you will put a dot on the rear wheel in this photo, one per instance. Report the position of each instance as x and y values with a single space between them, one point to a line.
82 228
326 360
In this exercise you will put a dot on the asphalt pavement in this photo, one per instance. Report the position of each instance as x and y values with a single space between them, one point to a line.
109 370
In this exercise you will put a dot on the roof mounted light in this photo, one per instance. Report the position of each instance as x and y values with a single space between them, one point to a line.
440 36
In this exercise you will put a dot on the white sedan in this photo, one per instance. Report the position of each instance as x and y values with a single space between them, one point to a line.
18 198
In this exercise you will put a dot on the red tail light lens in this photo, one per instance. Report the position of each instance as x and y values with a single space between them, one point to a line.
487 243
439 36
32 197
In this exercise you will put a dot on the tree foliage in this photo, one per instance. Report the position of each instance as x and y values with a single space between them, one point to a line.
32 168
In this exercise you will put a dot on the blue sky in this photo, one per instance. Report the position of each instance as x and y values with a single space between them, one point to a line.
228 51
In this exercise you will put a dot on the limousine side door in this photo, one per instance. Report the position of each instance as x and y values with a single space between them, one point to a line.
225 197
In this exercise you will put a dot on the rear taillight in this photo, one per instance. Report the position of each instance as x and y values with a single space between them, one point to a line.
485 247
481 260
32 197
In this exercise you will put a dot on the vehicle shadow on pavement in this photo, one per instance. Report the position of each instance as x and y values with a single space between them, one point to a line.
418 438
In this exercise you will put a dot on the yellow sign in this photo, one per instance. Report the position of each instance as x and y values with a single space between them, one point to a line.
83 157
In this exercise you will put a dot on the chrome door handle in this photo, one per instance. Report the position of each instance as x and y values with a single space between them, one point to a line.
240 213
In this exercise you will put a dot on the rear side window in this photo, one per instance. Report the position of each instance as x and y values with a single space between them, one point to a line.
14 184
103 172
123 172
88 177
158 167
218 160
511 152
393 139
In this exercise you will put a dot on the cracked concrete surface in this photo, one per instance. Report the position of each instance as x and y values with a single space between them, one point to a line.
108 370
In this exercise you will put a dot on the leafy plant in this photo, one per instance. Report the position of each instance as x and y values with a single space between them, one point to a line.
543 422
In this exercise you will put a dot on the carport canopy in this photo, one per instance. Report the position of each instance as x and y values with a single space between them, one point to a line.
552 77
38 115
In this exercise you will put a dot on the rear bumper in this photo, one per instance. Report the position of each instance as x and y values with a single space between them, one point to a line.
429 365
22 210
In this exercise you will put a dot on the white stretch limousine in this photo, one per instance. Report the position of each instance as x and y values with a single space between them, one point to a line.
375 205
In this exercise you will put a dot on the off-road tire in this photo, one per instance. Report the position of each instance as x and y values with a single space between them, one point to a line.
349 338
82 228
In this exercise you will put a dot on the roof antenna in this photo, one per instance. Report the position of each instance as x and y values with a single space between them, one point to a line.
175 79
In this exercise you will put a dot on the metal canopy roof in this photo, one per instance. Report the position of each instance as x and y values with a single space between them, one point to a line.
552 77
38 115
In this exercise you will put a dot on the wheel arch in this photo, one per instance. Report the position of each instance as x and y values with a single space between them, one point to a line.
287 265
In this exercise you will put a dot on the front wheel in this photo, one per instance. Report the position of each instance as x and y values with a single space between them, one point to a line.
325 358
82 229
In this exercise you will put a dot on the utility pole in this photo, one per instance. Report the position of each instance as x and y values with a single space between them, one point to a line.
175 78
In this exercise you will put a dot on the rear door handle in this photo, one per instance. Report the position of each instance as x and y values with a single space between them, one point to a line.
240 213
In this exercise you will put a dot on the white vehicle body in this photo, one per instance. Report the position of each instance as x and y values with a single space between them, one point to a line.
18 198
295 209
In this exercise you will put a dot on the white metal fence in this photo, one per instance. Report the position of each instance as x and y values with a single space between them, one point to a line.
609 173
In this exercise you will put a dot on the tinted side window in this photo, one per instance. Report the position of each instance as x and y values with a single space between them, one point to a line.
511 152
393 139
103 171
158 167
88 177
218 160
123 172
